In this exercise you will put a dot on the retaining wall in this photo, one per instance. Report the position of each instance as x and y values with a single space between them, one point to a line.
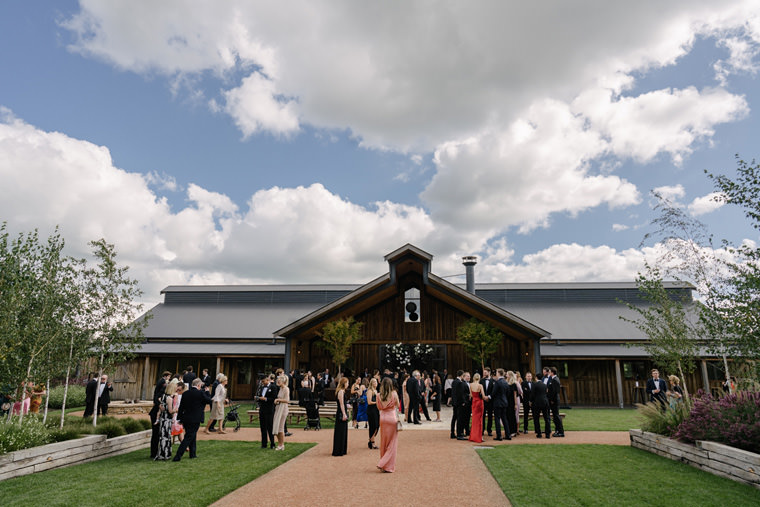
718 459
69 452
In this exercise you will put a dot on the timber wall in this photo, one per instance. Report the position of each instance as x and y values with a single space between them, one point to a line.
69 452
718 459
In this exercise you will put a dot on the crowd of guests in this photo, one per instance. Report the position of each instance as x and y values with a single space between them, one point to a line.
497 399
179 403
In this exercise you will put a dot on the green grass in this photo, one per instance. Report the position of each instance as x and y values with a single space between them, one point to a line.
590 475
599 419
134 479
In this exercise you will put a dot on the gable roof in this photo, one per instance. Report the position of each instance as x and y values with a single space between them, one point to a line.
400 261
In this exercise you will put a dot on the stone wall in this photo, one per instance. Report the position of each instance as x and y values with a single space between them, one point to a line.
717 459
69 452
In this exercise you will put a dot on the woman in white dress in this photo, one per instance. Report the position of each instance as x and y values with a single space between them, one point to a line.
217 405
281 411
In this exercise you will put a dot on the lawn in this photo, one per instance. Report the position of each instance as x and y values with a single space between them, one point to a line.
134 479
599 419
606 475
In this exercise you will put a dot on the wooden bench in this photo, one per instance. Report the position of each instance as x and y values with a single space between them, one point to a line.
299 413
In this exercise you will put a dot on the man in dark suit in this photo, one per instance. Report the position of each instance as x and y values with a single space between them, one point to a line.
205 377
423 400
488 383
155 433
455 403
527 387
540 407
656 388
499 399
266 411
413 390
105 395
89 399
465 408
190 414
189 376
553 393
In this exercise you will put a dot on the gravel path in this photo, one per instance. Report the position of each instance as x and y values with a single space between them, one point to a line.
430 467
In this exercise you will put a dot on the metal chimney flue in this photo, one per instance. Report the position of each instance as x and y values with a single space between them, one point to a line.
469 262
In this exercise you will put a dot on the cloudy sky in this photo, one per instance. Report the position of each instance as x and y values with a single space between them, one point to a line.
296 142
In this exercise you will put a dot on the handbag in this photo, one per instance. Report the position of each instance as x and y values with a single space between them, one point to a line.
399 426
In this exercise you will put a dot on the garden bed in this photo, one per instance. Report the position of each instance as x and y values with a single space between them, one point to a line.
69 452
718 459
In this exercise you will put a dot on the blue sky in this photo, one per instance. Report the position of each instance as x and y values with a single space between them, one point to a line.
243 142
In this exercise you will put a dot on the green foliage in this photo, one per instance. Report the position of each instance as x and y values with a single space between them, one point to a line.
662 420
740 312
75 397
338 337
110 429
133 479
480 340
132 425
673 335
603 475
39 305
17 435
60 435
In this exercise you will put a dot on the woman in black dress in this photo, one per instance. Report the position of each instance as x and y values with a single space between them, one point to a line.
373 413
436 397
511 402
340 434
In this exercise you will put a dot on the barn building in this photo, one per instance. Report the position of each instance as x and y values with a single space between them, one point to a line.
244 331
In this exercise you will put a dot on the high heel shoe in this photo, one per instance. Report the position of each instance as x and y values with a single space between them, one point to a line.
369 444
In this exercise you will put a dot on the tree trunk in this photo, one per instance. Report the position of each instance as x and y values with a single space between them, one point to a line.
97 391
728 376
23 392
66 384
686 397
47 401
65 394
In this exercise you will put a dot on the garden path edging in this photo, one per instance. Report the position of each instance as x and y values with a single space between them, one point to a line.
69 452
718 459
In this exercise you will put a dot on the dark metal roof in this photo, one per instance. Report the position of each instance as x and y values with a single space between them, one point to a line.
591 350
219 321
222 349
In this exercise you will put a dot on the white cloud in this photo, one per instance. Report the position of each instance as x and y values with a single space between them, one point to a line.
620 227
283 235
668 121
706 204
671 192
509 178
402 75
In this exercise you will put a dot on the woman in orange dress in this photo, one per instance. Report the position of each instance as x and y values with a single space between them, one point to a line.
476 431
387 402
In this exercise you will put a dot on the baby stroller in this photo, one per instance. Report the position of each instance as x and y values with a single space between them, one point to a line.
312 414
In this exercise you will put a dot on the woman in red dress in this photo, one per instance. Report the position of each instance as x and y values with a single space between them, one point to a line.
387 402
476 390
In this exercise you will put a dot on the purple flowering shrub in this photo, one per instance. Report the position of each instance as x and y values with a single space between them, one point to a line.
732 420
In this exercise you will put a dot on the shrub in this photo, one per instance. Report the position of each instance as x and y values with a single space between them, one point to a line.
733 420
131 425
74 398
662 420
110 429
145 423
15 435
58 435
